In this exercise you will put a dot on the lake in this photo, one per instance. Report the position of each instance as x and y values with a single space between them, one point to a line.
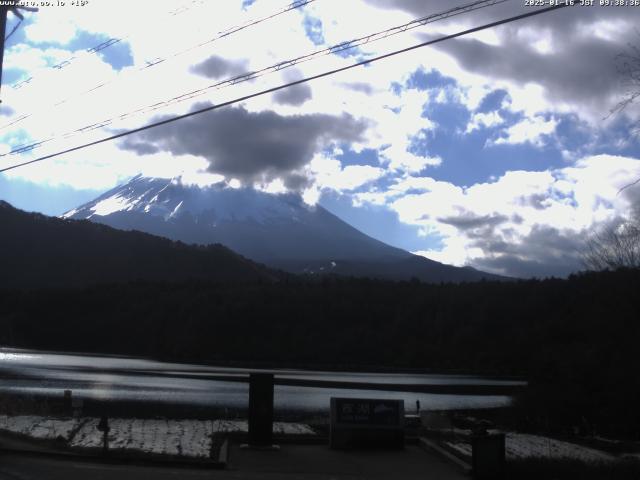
123 379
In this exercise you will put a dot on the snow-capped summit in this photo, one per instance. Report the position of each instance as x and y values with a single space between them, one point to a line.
279 230
170 198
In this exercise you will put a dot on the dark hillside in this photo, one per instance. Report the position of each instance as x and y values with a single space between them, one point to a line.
41 251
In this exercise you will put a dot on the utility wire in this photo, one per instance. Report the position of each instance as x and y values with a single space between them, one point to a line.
100 46
343 46
340 47
230 31
290 84
15 27
158 60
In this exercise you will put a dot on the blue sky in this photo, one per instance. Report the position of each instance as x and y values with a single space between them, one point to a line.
493 150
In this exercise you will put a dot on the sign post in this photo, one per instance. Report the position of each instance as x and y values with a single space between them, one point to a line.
366 422
103 426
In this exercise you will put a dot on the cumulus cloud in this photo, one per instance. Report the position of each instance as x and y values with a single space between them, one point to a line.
415 7
295 95
563 22
218 67
574 66
361 87
529 130
399 128
468 221
568 75
570 53
51 28
251 146
138 147
544 251
6 111
484 120
330 173
399 158
522 224
26 57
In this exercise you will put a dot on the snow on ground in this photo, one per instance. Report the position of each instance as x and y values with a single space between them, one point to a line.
282 428
279 428
38 427
187 438
521 445
190 438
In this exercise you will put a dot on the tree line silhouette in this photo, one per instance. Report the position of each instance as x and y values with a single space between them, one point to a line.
575 340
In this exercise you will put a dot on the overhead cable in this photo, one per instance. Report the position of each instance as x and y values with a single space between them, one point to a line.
290 84
245 77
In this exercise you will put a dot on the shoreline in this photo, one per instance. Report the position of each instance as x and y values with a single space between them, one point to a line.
273 365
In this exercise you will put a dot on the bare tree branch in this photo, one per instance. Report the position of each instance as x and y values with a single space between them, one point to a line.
628 67
615 247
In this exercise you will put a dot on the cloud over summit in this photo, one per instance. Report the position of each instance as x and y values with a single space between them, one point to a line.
251 146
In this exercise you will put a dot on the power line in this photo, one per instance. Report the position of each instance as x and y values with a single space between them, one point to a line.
340 47
230 31
290 84
158 60
99 47
343 46
13 30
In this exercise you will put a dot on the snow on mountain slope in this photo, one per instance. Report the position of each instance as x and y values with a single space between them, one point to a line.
279 230
168 198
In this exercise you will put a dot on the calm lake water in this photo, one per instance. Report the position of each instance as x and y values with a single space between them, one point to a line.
130 379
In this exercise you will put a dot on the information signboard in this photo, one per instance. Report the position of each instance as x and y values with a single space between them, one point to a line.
366 423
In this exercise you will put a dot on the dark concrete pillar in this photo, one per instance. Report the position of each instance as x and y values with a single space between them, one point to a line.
488 456
261 409
67 402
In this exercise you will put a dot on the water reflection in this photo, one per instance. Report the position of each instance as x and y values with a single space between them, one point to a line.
131 379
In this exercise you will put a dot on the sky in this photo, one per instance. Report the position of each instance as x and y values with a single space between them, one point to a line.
496 150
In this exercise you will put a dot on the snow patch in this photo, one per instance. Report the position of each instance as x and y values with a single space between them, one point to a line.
522 445
168 199
175 210
38 427
70 213
187 438
110 205
190 438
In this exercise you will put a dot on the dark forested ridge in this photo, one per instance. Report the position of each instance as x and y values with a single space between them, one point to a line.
41 251
485 326
576 340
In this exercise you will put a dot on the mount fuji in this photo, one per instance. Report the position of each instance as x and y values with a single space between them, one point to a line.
279 230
